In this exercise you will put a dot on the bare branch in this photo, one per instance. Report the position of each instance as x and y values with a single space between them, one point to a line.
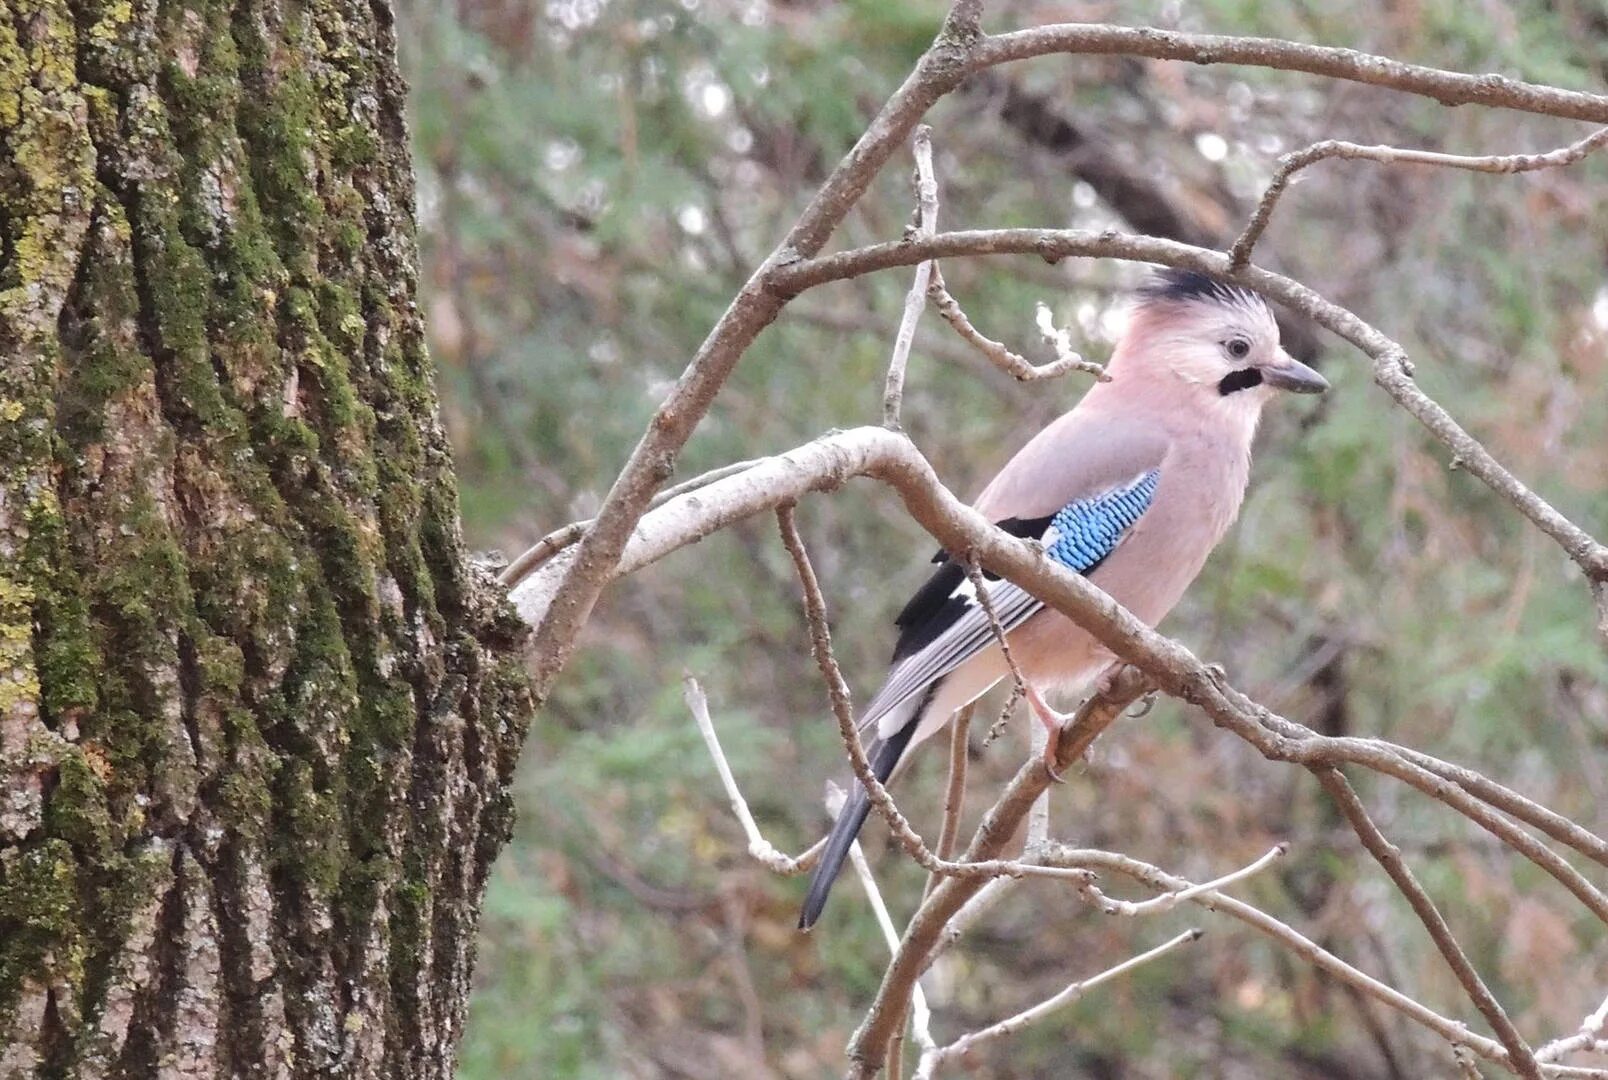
1038 819
760 848
1240 252
954 788
1599 593
1169 900
1391 369
1589 1037
997 728
558 596
1446 87
538 553
1555 825
920 1013
1385 853
940 69
926 226
559 539
1286 935
843 709
829 461
960 49
1060 339
974 574
936 1058
1315 751
986 899
1169 663
819 466
998 826
1463 1058
1014 365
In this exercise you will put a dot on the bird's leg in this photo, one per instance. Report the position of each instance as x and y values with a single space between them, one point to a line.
1053 722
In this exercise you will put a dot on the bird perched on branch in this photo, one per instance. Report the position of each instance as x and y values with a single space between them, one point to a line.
1132 488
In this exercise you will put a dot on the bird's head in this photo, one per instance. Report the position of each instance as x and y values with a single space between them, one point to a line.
1213 344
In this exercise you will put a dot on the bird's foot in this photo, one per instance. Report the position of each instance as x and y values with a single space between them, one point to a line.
1054 722
1106 682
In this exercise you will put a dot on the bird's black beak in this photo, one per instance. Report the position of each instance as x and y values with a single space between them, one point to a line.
1292 375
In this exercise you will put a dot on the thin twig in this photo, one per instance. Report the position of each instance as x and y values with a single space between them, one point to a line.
1013 364
1060 339
1314 751
1589 1037
1521 1057
1555 825
996 830
985 900
596 558
1391 369
527 561
1463 1058
938 1057
1286 935
1038 819
954 788
1446 87
916 299
921 1015
960 49
985 600
760 848
1599 595
997 728
843 709
1169 900
827 462
1240 252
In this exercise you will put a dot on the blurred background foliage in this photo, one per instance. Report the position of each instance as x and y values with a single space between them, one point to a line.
597 178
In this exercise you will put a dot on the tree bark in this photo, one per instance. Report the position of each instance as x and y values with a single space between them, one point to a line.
257 711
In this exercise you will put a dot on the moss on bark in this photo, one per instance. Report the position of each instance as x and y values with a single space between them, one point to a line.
257 714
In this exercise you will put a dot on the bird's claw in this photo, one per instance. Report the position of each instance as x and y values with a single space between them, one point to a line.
1054 723
1049 757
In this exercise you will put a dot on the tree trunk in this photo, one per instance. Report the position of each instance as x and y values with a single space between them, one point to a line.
257 712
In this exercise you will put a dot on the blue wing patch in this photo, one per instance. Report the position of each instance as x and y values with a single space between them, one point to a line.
943 625
1085 531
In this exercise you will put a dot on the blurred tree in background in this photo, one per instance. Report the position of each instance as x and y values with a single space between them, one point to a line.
595 182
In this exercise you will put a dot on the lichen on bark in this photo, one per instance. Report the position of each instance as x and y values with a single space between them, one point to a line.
257 712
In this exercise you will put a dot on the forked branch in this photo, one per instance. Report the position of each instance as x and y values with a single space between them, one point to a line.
559 579
1290 164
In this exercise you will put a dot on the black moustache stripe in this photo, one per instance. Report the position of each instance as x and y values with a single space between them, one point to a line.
1240 379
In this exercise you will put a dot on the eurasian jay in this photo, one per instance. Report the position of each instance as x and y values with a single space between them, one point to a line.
1132 488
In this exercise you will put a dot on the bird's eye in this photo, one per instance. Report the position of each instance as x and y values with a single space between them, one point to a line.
1238 348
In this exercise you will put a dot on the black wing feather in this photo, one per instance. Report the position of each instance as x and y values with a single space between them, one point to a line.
934 608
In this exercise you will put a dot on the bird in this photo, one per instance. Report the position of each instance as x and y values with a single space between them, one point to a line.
1133 488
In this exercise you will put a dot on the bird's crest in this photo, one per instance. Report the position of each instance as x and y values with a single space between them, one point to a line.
1181 286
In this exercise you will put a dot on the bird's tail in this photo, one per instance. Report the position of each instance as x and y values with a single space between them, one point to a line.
884 756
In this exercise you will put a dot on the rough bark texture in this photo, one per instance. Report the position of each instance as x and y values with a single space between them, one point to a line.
257 713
